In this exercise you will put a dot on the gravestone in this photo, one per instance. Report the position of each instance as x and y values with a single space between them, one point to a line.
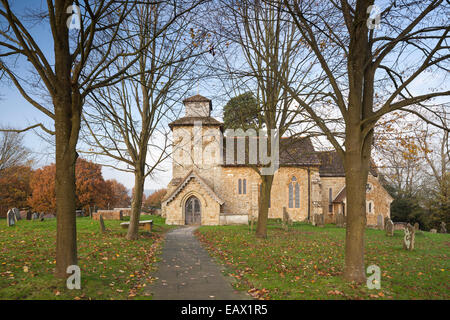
16 213
102 224
433 231
10 218
318 220
380 224
408 239
340 220
416 226
34 216
287 221
443 228
41 216
389 227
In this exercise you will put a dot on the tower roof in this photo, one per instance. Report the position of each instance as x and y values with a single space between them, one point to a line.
198 98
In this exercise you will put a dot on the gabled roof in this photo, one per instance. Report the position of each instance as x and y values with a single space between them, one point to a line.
294 151
190 121
192 175
198 98
341 196
331 165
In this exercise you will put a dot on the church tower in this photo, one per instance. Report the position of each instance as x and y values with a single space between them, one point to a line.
197 141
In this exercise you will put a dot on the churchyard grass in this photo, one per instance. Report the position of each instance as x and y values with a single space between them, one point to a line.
111 266
306 262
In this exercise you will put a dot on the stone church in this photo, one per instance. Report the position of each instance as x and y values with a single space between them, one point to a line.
206 190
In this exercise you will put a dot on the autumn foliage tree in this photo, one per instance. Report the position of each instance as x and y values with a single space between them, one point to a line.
14 188
118 196
154 199
91 188
42 185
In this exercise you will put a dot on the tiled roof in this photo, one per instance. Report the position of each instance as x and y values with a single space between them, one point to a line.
333 166
294 151
341 196
192 175
190 121
197 98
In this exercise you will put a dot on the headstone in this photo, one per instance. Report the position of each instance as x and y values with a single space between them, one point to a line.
433 231
16 213
102 224
41 216
340 220
380 223
286 219
408 239
10 218
416 226
443 228
318 220
35 216
389 227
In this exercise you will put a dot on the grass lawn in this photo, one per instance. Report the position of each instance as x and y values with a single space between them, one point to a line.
307 262
111 266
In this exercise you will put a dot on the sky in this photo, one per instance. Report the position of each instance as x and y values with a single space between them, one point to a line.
16 112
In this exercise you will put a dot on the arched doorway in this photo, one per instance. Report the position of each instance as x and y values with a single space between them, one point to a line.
192 211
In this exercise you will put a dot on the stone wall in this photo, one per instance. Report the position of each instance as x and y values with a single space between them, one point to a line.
336 184
381 202
108 215
210 208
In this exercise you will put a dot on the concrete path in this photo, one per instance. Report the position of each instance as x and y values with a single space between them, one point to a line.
187 272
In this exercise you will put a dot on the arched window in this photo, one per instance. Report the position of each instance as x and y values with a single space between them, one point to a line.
294 193
242 186
370 207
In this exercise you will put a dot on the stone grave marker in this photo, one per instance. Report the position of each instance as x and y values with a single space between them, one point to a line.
443 228
318 220
340 220
286 219
416 226
408 239
380 223
433 231
389 227
16 213
41 216
35 216
10 218
102 224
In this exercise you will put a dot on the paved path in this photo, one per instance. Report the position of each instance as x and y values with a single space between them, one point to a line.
187 272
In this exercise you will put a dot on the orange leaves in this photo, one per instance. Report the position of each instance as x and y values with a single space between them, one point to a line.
91 188
261 294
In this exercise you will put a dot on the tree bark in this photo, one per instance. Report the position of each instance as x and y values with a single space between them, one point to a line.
263 213
356 171
136 205
67 104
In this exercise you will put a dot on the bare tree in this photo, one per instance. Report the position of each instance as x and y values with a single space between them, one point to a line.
267 47
68 74
127 122
12 150
380 67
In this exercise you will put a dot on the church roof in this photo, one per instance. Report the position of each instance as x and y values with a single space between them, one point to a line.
294 151
331 165
341 196
190 121
192 175
198 98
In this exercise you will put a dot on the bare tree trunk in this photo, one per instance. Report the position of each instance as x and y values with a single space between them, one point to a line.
356 169
136 205
263 213
67 105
